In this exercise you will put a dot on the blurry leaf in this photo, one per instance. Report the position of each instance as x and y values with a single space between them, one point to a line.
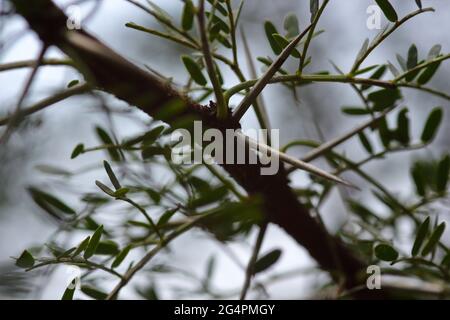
419 3
218 21
93 293
208 197
111 175
393 69
378 74
79 149
148 293
385 252
365 142
313 8
70 290
152 151
210 267
93 243
187 19
401 62
384 132
384 98
151 136
283 42
82 246
53 170
107 248
49 203
412 57
388 10
104 188
435 51
270 30
361 211
122 192
219 7
432 125
73 83
291 25
166 217
419 180
355 111
434 239
363 50
106 139
194 70
402 133
266 261
25 261
443 172
422 232
121 256
364 70
428 73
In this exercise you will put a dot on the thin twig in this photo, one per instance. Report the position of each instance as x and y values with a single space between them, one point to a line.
251 264
265 79
222 109
327 146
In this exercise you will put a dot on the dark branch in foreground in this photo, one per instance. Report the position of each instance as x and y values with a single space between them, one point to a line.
106 70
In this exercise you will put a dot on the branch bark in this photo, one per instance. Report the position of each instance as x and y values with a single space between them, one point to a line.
108 71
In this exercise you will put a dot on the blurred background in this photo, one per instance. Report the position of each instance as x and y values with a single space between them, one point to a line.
51 135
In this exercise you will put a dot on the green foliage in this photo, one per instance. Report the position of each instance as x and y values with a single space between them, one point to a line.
149 200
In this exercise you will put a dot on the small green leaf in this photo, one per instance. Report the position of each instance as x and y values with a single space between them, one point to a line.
378 74
187 19
106 139
443 172
434 239
313 8
291 25
422 232
111 175
385 252
363 50
166 217
219 7
428 73
412 57
73 83
402 133
419 181
105 189
25 261
432 125
93 243
152 151
419 3
79 149
355 111
435 51
151 136
70 290
49 202
194 70
365 142
121 256
270 29
388 10
266 261
82 246
384 98
283 42
107 248
93 293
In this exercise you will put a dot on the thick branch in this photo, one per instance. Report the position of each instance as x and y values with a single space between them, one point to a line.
107 70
